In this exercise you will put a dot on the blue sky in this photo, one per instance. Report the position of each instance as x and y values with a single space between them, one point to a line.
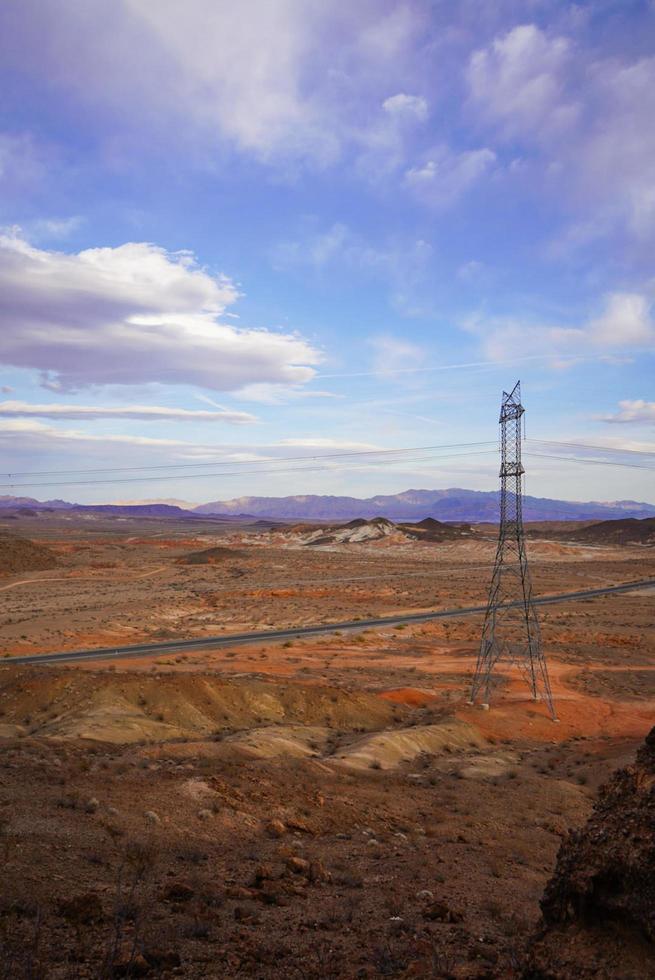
241 231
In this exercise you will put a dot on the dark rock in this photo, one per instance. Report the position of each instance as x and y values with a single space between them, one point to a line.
299 866
263 873
130 964
82 909
162 959
275 828
441 912
599 907
178 891
239 892
318 872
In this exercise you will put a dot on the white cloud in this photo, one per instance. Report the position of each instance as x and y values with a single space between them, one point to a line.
615 156
317 250
585 120
242 68
37 437
473 272
55 228
67 451
339 244
17 409
446 175
276 395
624 324
22 161
519 81
401 264
318 442
395 356
289 81
633 411
133 314
409 107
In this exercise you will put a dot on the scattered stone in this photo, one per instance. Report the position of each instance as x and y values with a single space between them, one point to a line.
92 805
263 873
318 872
296 823
239 892
425 894
205 814
152 817
299 866
275 828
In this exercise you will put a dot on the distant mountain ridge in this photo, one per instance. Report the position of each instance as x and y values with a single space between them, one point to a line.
454 504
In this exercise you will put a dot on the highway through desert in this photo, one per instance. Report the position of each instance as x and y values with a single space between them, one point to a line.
258 636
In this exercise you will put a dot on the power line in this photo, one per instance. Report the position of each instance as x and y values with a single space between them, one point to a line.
601 449
310 458
594 462
267 472
247 462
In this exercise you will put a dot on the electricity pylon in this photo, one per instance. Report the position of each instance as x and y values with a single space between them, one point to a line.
511 628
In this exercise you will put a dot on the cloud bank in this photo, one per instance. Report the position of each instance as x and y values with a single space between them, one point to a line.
636 411
131 315
16 409
625 324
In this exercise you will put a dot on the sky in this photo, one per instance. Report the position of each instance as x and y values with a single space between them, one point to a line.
236 232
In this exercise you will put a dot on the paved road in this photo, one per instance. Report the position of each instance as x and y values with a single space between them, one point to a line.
265 636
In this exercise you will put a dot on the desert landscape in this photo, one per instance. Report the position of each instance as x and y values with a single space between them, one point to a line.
326 806
327 496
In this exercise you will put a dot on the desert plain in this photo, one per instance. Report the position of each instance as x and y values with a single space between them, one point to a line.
325 806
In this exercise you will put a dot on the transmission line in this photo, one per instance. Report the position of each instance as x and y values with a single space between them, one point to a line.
267 472
243 462
601 449
593 462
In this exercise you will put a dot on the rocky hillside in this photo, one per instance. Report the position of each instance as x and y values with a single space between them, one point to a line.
599 906
19 555
628 531
361 531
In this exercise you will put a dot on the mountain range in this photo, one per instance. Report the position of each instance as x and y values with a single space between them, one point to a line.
454 504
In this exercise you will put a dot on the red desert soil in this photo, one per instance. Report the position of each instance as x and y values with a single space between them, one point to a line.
319 808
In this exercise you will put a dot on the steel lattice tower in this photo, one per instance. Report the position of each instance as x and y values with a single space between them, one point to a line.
511 628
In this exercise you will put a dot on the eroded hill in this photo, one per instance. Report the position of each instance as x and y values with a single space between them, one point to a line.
19 555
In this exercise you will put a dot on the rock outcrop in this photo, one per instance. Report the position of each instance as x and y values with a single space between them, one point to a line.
599 906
